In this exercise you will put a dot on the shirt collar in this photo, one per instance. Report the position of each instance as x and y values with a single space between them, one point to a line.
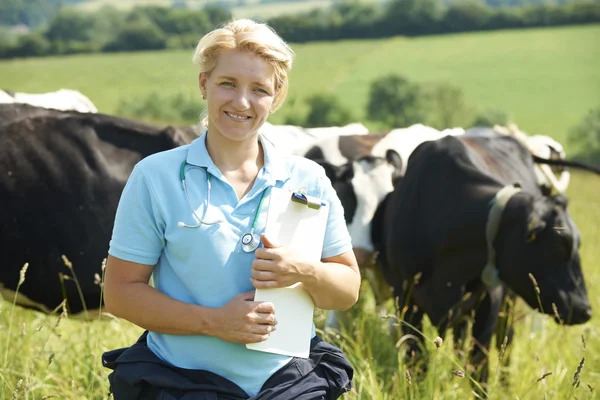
276 168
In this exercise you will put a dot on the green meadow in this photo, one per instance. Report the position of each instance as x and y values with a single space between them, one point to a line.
548 79
44 357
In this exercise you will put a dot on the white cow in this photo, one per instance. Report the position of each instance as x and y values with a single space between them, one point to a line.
297 140
405 140
63 99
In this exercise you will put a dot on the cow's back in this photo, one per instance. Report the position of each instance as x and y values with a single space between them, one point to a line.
61 177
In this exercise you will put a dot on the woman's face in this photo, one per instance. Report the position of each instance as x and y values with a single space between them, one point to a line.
239 92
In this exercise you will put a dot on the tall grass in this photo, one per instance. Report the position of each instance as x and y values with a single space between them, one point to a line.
56 356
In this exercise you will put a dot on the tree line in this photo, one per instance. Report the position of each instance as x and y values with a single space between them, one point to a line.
156 28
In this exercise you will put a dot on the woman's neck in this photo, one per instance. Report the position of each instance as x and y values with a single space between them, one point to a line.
241 159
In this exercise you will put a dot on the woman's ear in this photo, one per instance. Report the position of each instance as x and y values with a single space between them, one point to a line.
202 83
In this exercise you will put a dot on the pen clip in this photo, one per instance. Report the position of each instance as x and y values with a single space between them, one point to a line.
310 201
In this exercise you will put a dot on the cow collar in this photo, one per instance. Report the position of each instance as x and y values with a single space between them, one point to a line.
490 274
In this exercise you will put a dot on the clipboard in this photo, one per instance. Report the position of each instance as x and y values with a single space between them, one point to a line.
297 221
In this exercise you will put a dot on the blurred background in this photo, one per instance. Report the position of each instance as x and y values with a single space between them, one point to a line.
385 63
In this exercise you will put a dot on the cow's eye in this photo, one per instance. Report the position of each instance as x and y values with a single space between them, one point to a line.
566 242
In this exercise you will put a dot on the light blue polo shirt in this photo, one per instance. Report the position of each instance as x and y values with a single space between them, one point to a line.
206 265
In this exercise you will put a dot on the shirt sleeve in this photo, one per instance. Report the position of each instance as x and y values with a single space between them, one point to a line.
337 239
138 232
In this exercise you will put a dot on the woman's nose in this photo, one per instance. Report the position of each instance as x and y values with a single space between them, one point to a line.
241 100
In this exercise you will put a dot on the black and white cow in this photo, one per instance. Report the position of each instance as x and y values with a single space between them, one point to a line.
361 182
61 176
456 236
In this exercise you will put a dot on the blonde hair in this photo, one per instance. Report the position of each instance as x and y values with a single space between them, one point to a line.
256 38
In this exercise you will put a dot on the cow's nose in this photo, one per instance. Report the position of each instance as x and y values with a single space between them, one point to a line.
582 315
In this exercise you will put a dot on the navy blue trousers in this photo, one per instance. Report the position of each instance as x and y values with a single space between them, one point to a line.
139 374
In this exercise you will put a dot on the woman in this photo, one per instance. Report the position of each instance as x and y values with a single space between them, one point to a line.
201 312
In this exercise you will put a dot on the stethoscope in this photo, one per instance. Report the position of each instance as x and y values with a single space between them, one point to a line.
250 241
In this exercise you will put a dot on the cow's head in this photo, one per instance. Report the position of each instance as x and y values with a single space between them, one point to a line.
361 185
537 236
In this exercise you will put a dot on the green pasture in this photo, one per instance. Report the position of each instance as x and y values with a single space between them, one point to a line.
547 78
57 357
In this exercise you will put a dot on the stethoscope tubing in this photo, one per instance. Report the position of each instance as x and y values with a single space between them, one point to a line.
247 245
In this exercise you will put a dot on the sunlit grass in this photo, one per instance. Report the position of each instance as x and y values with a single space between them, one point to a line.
44 356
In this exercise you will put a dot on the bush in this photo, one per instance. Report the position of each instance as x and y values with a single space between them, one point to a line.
156 107
326 110
449 108
138 35
396 102
586 135
492 116
30 45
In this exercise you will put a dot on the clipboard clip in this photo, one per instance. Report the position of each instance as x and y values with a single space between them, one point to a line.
310 201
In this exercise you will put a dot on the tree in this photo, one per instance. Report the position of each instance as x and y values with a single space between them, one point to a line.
139 35
396 102
326 110
218 15
449 109
468 15
70 25
412 17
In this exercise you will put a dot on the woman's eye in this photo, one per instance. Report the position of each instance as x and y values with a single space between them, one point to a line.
263 91
227 84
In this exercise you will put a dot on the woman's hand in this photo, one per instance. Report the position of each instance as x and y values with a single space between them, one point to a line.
243 320
276 266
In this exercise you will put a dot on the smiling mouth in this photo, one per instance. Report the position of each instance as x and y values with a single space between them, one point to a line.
237 117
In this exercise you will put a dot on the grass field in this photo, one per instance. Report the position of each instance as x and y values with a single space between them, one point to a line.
547 78
28 340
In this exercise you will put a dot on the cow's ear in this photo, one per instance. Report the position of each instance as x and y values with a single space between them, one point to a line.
330 170
535 225
394 159
346 172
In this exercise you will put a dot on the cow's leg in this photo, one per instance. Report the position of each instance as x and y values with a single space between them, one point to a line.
484 326
504 336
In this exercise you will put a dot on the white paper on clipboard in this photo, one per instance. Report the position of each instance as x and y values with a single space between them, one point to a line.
302 229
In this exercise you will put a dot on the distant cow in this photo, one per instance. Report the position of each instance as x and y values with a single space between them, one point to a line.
63 99
405 140
61 177
297 140
361 182
456 234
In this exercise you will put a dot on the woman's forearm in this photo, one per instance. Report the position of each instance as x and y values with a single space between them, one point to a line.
332 286
150 309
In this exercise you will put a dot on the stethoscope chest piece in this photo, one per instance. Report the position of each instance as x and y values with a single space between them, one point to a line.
250 242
